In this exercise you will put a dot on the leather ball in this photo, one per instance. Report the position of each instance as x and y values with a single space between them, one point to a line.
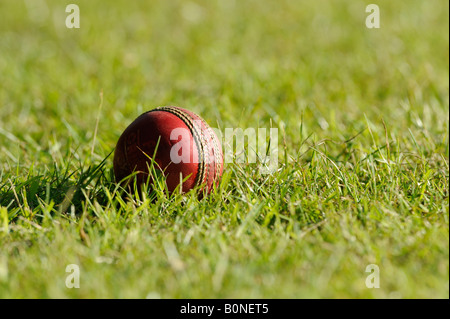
181 145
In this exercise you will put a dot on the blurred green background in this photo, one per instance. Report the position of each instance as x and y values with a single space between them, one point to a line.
237 63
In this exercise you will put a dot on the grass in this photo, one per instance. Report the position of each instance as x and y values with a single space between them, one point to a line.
363 149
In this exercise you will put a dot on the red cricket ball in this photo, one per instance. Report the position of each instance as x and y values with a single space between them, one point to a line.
181 144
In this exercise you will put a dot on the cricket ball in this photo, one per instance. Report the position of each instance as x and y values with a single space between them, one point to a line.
175 142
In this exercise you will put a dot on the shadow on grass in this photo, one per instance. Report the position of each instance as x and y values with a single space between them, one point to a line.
55 192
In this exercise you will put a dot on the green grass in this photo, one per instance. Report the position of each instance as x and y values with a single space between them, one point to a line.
363 133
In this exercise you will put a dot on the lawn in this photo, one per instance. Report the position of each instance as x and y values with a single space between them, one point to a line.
363 149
